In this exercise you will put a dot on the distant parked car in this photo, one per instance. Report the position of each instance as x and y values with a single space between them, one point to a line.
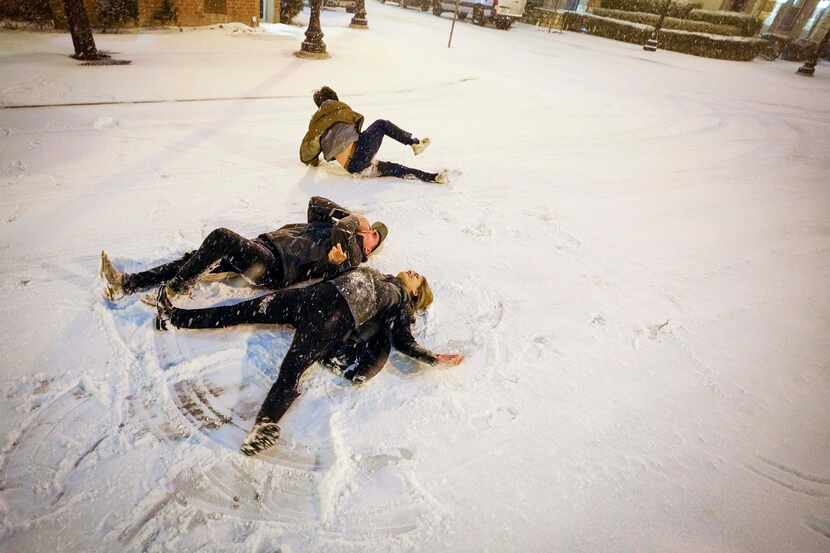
501 13
348 4
423 5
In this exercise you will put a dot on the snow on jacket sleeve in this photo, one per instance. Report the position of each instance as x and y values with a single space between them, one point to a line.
323 210
404 342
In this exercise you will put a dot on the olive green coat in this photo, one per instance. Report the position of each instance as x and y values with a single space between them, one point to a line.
330 112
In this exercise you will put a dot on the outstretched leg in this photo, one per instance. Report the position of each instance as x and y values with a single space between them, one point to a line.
369 142
280 307
389 169
249 257
121 284
324 322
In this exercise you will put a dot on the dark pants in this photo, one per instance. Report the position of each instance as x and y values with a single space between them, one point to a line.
222 251
368 144
320 315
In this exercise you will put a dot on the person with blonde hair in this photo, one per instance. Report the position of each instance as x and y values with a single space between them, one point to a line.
332 319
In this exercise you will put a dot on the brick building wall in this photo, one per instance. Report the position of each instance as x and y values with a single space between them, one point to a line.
208 12
190 12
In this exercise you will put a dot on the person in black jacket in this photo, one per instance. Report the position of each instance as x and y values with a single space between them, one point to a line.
326 316
333 240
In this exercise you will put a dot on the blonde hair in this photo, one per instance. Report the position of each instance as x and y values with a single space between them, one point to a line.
423 295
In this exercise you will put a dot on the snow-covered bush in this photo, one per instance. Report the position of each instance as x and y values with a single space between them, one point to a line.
35 11
698 44
669 22
530 14
616 29
747 24
289 8
116 13
676 9
167 12
735 48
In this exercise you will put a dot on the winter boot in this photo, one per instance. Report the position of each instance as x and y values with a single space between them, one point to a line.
421 145
262 436
163 309
442 177
114 289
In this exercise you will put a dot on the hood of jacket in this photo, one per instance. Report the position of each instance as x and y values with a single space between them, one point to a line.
331 112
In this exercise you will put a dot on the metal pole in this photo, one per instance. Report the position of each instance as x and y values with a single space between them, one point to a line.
313 46
359 20
452 27
809 67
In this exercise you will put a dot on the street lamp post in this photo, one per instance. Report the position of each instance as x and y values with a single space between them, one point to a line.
359 20
313 46
651 43
809 67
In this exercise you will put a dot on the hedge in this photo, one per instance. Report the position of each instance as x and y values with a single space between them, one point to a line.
625 31
697 44
711 46
746 24
669 22
36 11
636 17
676 9
700 27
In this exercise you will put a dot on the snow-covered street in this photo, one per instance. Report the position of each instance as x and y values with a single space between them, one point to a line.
633 253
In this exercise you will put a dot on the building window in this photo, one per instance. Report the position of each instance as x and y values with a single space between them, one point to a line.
215 6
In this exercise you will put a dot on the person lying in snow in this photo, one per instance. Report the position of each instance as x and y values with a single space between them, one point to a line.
333 241
358 315
335 132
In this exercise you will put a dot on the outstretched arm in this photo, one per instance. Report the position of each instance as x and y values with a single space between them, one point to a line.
323 210
404 342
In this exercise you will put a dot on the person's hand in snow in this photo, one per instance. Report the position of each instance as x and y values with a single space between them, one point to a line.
451 359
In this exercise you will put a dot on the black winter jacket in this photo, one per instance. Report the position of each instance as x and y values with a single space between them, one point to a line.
381 308
303 248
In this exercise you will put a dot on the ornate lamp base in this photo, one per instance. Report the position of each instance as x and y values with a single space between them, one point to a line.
313 47
312 55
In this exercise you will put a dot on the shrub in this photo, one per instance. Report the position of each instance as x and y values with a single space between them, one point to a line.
676 9
711 46
167 12
700 27
698 44
746 24
116 13
530 14
636 17
289 8
625 31
669 22
35 11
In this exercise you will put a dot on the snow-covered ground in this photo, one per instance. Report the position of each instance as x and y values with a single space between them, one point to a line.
633 254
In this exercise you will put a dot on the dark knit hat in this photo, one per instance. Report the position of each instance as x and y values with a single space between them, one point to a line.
324 94
383 232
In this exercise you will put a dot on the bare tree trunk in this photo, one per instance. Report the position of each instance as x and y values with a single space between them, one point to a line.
81 31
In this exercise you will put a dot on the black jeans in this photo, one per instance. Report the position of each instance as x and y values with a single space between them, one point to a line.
319 314
221 251
368 144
